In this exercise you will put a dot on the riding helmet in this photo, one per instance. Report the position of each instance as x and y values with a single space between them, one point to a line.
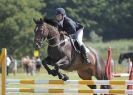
60 11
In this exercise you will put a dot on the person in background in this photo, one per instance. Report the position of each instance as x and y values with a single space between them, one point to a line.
38 64
129 65
8 62
14 67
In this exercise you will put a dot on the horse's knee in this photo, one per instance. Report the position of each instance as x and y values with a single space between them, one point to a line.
106 87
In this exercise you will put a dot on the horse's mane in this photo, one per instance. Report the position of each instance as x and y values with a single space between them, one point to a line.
49 21
52 22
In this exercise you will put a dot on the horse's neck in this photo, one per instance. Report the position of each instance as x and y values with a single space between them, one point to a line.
53 30
127 55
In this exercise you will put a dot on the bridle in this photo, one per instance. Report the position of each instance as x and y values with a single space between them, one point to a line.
47 30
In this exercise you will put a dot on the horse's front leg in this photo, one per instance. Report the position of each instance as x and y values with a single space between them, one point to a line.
63 61
60 75
45 63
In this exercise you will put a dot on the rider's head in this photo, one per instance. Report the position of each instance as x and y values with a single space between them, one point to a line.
60 14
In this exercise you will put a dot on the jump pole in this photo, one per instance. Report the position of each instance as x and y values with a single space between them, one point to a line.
3 66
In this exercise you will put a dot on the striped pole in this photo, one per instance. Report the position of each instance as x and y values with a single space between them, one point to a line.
3 63
83 82
42 90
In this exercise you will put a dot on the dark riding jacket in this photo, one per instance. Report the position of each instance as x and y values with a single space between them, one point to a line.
69 26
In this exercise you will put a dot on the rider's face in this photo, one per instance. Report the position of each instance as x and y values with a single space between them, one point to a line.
59 17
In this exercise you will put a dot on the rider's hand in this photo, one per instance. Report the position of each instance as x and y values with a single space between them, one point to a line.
64 33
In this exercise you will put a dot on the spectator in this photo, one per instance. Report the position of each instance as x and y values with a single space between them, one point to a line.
13 66
38 64
8 62
129 65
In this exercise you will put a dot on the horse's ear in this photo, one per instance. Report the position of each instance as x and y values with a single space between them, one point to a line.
34 20
41 19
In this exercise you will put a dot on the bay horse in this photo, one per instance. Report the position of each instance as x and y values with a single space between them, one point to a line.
62 54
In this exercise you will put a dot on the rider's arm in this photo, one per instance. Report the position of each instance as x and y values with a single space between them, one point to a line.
71 27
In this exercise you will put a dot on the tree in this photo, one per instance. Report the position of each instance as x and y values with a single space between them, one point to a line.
108 18
17 26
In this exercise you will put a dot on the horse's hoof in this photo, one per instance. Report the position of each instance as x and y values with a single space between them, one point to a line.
65 77
54 72
60 76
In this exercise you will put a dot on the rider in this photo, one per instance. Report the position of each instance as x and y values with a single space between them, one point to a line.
72 28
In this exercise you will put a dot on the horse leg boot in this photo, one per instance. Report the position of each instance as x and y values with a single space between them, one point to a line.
60 75
84 54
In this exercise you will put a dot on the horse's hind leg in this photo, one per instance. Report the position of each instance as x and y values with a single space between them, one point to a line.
105 86
85 75
104 77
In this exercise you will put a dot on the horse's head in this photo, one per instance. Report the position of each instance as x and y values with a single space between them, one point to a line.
121 57
42 31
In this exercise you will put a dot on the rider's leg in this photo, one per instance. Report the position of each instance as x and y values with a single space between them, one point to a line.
79 36
85 55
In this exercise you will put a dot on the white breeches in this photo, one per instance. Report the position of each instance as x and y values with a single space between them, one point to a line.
79 36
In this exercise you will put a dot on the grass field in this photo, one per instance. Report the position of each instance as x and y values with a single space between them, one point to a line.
117 47
43 75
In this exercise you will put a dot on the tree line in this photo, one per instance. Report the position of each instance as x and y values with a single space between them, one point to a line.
103 20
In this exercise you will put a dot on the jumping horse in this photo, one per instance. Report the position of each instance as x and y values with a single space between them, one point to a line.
62 54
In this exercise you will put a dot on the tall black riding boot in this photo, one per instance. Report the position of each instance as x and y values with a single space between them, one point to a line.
84 54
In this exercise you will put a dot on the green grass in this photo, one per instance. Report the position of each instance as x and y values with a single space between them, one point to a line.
117 46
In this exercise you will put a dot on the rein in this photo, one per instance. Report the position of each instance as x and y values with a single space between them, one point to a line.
57 44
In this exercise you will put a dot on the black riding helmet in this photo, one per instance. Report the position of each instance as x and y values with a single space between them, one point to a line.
60 11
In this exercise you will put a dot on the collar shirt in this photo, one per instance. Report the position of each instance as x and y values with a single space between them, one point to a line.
61 22
8 61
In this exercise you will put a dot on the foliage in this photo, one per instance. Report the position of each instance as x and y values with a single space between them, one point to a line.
16 28
110 19
94 37
118 46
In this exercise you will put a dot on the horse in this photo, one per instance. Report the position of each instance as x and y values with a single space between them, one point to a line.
62 54
127 55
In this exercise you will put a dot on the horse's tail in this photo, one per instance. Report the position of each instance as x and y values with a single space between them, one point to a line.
100 64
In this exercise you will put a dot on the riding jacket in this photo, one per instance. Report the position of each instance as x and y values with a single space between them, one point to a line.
69 26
